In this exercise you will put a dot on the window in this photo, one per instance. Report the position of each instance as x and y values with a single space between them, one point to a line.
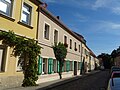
26 14
46 32
20 63
6 7
70 44
75 47
65 39
55 36
2 58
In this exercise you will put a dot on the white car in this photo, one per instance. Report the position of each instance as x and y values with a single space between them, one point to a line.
114 82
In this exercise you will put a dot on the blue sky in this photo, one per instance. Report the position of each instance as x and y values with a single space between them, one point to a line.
97 20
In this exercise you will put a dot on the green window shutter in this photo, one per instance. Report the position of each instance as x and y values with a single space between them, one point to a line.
50 65
58 66
67 66
39 65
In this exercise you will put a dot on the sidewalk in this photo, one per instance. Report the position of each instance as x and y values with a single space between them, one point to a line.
51 84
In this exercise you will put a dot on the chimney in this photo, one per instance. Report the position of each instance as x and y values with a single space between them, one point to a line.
45 5
58 17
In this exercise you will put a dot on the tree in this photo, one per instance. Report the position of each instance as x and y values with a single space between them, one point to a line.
106 59
113 55
29 49
60 53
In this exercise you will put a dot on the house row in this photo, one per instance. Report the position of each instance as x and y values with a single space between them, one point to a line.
31 19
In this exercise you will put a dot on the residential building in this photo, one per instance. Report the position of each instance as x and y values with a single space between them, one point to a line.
21 17
50 31
31 19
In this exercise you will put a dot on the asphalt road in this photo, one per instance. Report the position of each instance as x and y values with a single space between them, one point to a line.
97 81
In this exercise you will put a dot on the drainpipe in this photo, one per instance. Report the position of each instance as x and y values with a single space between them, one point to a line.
81 58
37 24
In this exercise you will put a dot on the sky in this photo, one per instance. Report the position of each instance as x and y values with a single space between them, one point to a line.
97 20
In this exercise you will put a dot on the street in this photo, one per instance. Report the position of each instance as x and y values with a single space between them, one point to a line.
97 81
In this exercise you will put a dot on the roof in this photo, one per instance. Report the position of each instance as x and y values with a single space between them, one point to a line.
58 22
37 2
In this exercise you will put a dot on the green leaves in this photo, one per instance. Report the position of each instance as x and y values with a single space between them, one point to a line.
60 52
27 48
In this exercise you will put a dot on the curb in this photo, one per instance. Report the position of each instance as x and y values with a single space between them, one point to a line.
67 81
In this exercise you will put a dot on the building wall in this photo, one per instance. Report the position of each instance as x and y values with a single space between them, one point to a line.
15 24
47 44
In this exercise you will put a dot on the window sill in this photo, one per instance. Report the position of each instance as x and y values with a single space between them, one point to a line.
26 25
7 17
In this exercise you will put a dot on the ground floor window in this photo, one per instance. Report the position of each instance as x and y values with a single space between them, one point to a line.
54 65
2 58
71 65
20 63
44 68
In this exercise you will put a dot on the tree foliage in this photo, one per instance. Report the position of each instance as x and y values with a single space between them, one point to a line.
106 59
29 49
60 52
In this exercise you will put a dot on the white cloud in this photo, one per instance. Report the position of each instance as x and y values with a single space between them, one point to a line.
112 5
107 27
116 10
101 4
81 17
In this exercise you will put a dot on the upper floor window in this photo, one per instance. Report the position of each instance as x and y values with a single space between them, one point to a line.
75 47
46 31
70 44
26 14
6 7
65 41
55 36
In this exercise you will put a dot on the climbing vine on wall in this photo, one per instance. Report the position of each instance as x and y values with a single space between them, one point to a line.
29 49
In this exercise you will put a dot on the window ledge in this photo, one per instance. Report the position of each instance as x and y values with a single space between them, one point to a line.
26 25
7 17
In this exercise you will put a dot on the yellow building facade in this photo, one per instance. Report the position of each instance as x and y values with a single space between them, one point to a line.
21 17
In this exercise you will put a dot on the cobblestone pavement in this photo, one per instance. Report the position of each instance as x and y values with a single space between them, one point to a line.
97 81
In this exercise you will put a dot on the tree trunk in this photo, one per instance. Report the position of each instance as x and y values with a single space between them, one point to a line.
60 70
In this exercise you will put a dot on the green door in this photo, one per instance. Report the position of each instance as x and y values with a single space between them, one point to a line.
39 65
50 65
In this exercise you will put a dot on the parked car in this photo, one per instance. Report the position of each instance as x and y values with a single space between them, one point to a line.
115 68
114 82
